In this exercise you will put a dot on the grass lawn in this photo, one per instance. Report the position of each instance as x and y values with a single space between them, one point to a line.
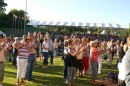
51 76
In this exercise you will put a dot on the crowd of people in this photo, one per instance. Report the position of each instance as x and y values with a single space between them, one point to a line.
81 55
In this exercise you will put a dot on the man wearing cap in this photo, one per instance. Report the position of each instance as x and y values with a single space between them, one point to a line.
31 58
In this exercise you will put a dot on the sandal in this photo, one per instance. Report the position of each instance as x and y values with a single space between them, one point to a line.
22 82
18 84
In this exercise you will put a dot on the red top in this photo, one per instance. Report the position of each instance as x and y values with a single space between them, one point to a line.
94 54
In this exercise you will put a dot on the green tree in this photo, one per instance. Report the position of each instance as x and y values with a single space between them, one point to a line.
91 29
3 20
99 30
16 12
129 31
124 33
2 6
64 30
14 16
17 16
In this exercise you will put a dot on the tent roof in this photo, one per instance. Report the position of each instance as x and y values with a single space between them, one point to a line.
1 33
81 24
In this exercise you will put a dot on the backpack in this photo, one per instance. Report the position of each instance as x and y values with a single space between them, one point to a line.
113 77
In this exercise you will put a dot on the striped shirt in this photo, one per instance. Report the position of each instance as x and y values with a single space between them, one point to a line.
23 53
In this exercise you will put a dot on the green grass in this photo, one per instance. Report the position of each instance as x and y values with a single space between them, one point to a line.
51 76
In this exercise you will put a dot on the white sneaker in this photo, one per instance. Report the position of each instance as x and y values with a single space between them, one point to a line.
99 72
43 67
66 81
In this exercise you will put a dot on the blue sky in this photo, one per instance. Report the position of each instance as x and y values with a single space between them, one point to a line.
93 11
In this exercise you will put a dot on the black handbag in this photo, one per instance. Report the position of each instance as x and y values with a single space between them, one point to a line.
105 57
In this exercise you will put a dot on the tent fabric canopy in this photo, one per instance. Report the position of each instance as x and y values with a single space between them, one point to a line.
103 32
3 34
81 24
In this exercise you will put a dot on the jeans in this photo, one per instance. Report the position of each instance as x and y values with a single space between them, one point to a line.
65 70
56 51
112 54
45 61
30 66
52 56
94 66
14 60
109 59
71 73
10 52
65 65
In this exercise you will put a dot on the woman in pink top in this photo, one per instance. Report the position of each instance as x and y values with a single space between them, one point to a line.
94 59
4 47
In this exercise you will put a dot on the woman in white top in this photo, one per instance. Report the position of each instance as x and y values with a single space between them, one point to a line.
45 48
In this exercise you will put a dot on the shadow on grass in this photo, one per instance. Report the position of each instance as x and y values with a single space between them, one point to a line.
53 76
10 74
7 84
58 81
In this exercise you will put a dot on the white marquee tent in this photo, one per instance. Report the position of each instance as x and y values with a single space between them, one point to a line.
81 24
103 32
1 33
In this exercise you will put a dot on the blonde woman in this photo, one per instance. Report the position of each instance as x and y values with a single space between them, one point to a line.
94 59
22 61
15 50
109 53
55 45
86 52
79 56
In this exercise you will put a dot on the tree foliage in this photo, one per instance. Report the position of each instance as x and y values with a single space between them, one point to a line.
124 33
99 30
7 20
2 6
3 20
16 15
